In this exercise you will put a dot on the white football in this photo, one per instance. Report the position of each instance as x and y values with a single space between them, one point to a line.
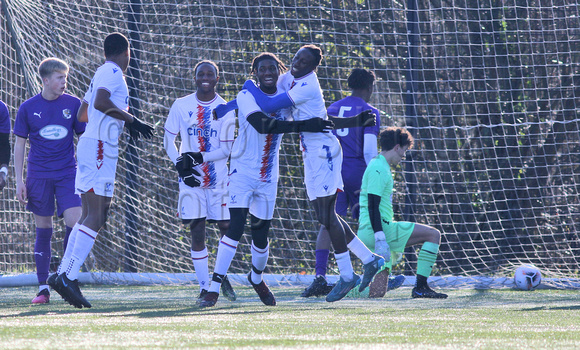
527 277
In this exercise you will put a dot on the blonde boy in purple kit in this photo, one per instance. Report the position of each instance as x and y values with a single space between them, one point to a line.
48 120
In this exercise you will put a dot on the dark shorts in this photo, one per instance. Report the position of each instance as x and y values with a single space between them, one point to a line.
42 193
350 196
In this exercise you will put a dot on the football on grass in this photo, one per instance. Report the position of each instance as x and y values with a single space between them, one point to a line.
527 277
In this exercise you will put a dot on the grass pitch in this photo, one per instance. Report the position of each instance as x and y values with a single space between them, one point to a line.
157 317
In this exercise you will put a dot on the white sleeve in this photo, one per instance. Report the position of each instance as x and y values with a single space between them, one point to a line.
170 148
226 140
370 147
302 93
171 131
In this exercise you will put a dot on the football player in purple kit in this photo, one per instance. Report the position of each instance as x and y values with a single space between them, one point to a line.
322 157
4 144
105 104
201 163
48 120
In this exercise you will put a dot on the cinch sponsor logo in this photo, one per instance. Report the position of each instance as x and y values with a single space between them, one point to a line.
53 132
195 131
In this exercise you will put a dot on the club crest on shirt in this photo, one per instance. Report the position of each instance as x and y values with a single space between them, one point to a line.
66 113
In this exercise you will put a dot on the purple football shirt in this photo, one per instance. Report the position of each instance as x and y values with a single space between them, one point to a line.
4 119
352 139
50 128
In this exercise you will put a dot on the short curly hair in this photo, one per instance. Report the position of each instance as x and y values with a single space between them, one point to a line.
392 136
361 78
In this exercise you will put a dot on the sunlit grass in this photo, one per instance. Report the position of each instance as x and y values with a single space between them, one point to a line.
166 317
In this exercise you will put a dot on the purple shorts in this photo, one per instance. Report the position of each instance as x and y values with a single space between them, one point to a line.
350 195
42 193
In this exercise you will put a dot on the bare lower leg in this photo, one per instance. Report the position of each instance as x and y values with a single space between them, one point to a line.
197 229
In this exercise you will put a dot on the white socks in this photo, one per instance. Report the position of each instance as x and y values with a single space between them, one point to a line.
344 265
200 259
259 261
226 251
360 250
83 243
69 248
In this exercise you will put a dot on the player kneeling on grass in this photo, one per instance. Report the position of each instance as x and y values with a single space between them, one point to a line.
376 225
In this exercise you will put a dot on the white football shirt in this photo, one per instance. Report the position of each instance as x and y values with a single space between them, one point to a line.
308 101
254 154
192 119
100 126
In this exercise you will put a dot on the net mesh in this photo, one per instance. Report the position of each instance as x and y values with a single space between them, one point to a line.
490 89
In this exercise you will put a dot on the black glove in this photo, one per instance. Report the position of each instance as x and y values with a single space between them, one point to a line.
179 167
191 159
192 178
367 118
137 129
316 125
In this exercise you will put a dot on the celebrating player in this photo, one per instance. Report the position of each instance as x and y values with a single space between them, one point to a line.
254 177
4 144
205 148
376 214
105 104
48 121
359 145
322 156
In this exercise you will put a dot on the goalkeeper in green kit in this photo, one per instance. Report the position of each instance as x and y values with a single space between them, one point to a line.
377 229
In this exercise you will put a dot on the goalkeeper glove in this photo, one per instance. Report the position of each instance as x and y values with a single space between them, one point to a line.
192 178
137 129
191 159
186 162
381 246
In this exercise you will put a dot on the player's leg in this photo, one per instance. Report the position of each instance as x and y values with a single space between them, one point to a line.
320 286
226 287
67 282
260 251
199 255
70 243
324 208
430 238
40 195
226 251
42 256
68 204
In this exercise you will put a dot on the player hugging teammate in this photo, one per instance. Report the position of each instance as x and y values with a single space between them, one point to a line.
283 102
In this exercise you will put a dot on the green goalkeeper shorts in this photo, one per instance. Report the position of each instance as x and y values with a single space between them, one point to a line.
396 233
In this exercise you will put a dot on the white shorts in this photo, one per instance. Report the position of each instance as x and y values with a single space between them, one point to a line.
208 203
322 172
247 192
97 165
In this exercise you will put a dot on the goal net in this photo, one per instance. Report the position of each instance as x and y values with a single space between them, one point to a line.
490 89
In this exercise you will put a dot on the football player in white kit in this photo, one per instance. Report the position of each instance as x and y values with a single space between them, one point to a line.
201 163
254 177
322 157
105 104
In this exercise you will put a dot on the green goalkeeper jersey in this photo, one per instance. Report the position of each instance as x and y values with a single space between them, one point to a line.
376 180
